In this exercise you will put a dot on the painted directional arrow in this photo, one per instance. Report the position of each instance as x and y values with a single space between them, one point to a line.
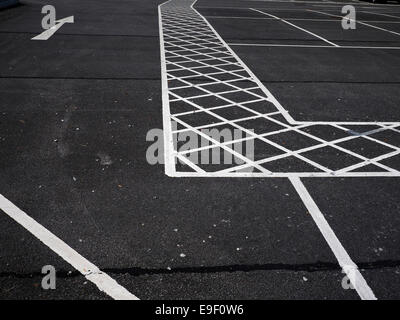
49 32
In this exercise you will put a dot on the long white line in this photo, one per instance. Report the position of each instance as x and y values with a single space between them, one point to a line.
309 46
294 19
243 174
328 3
362 23
169 160
291 9
382 14
293 25
91 272
345 262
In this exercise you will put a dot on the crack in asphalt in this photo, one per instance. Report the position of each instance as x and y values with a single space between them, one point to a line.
137 271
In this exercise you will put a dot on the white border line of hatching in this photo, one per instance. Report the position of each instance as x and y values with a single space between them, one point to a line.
310 46
169 161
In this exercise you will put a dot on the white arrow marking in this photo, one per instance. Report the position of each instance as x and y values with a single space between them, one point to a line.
49 32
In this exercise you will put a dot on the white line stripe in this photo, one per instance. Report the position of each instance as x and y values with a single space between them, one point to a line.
222 174
295 19
328 3
309 46
345 262
291 9
382 14
293 25
362 23
169 161
91 272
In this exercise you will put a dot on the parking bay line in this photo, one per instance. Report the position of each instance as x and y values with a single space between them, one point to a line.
293 25
91 272
345 262
382 14
362 23
295 19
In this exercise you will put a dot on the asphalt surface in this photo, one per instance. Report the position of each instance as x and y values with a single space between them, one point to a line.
74 114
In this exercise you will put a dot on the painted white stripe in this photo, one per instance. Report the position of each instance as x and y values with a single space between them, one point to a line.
293 25
45 35
382 14
91 272
291 9
309 46
294 19
291 1
345 262
328 3
242 174
169 160
359 22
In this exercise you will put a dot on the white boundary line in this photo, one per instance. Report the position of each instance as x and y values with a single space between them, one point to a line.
381 14
359 22
291 9
169 161
91 272
328 3
283 175
345 262
295 19
309 46
293 25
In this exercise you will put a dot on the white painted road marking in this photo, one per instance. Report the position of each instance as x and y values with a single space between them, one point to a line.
295 26
169 163
359 22
309 46
45 35
381 14
345 262
91 272
186 36
294 19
